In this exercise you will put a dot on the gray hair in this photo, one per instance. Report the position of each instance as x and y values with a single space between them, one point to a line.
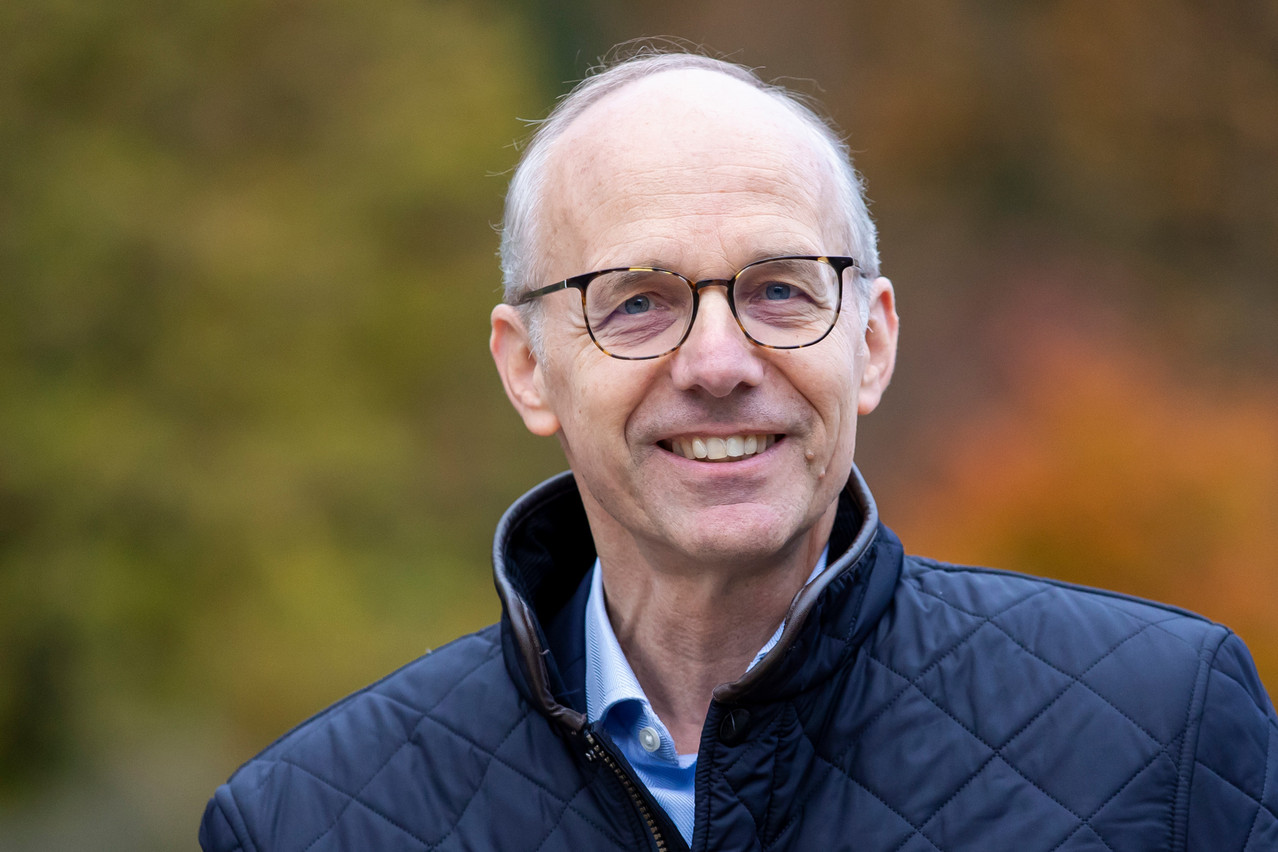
521 262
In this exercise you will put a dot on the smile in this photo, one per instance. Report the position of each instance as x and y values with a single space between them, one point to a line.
717 449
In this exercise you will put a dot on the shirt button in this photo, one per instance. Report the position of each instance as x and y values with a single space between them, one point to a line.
649 739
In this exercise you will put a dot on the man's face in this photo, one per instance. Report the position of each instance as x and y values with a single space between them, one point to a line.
697 173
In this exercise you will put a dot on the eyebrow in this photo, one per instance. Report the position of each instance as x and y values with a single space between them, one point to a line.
636 273
754 257
786 252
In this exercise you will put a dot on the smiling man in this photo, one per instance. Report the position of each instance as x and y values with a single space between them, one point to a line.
708 639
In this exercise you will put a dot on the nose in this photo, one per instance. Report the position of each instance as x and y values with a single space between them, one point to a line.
716 357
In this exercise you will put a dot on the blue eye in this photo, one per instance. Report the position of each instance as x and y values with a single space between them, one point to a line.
636 305
776 292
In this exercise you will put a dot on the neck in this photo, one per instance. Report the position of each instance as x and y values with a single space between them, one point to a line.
687 626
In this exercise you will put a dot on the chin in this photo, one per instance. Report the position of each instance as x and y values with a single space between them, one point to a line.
742 537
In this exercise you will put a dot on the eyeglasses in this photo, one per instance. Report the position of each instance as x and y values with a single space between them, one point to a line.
639 312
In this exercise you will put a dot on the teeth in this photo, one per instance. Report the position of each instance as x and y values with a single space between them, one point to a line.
721 449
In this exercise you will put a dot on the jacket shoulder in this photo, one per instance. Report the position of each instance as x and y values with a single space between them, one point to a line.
1015 656
1096 712
1074 625
1112 704
436 716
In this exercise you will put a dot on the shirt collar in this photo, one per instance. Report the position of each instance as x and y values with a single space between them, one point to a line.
609 678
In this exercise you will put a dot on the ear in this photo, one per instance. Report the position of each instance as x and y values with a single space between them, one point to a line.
880 342
521 371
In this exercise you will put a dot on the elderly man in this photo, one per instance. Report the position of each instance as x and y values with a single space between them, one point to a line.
708 639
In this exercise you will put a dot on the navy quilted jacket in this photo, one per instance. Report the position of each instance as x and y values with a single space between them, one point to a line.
910 705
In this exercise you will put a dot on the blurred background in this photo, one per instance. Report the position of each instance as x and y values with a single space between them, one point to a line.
252 447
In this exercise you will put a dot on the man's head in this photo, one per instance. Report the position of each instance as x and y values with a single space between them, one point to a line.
523 260
693 166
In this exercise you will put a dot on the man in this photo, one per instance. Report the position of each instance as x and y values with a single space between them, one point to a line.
708 639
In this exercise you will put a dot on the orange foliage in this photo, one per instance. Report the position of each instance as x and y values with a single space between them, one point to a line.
1106 467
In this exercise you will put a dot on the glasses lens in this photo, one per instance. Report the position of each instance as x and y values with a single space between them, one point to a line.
787 302
638 313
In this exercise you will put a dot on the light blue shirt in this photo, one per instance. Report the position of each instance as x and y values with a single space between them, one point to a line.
616 700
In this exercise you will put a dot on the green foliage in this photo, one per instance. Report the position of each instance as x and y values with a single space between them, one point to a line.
246 260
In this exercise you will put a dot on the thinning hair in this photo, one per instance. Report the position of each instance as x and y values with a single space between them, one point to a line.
522 259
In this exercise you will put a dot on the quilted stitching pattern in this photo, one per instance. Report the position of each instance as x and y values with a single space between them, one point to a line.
994 711
987 711
424 760
1236 762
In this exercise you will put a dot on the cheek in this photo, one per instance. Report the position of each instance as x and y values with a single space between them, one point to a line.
831 389
593 402
837 371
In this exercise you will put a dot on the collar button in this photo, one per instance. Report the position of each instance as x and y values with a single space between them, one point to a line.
649 739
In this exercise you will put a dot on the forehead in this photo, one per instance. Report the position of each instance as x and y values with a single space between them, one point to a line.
679 166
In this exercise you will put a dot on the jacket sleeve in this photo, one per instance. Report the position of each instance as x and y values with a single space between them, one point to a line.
1233 800
222 829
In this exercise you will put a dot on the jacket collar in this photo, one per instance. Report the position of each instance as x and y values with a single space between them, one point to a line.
543 549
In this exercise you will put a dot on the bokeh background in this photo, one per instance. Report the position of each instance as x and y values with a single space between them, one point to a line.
252 447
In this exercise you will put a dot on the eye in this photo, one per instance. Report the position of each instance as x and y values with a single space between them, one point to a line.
637 304
776 291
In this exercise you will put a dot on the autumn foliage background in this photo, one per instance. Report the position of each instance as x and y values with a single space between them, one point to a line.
252 447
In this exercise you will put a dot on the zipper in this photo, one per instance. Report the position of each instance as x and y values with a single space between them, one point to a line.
598 752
